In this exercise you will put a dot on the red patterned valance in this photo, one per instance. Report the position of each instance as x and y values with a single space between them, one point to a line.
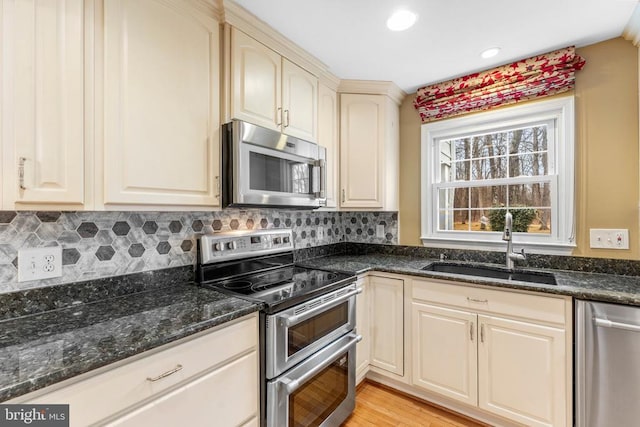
538 76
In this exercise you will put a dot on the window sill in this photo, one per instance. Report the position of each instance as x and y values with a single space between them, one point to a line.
499 246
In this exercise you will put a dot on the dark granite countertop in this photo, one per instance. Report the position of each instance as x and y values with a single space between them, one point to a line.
41 349
591 286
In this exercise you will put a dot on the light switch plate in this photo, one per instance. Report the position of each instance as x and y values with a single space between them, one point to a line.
609 238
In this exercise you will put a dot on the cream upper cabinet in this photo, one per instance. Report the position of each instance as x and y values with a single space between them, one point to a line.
271 91
161 104
445 351
369 141
328 130
256 80
43 89
363 325
507 353
386 300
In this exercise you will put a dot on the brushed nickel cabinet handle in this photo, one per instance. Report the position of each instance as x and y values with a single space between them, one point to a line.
343 196
279 116
286 118
482 333
217 196
481 301
166 374
471 331
21 162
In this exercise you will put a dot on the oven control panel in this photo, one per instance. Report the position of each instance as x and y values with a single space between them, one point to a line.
241 244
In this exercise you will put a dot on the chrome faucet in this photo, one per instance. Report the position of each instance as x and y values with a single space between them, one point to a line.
507 236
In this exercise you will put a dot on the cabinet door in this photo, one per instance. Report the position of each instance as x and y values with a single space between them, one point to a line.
299 102
361 137
387 324
445 351
362 327
328 138
161 91
256 82
227 396
522 371
43 101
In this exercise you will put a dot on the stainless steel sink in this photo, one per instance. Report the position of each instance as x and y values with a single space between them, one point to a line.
493 273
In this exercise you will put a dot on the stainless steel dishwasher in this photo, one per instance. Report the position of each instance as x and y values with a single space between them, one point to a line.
607 365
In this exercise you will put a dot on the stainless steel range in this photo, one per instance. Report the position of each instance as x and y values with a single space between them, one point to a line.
306 325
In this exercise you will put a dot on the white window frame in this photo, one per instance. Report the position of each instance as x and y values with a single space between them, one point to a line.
561 240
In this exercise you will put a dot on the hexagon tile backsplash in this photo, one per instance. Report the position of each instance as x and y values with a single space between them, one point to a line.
102 244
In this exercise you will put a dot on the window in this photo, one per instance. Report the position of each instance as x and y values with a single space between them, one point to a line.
518 159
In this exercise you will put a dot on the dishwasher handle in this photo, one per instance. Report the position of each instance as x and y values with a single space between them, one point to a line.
617 325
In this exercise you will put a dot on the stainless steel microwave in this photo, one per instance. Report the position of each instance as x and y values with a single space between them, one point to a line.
261 167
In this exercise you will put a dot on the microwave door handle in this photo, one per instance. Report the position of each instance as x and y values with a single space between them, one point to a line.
321 180
292 385
288 320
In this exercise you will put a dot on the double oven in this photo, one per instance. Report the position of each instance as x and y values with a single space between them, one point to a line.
307 324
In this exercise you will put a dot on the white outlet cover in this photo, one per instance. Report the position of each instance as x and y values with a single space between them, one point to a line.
380 230
39 263
320 233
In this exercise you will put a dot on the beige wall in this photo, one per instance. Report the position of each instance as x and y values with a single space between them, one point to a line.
607 158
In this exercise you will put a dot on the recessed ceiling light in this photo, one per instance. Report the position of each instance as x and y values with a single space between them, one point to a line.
400 20
490 53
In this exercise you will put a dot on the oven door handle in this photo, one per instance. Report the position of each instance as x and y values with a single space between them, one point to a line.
288 320
292 385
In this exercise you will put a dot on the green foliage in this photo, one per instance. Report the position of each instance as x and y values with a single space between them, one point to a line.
522 218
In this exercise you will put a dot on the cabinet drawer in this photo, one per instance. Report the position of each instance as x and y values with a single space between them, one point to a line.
111 391
513 304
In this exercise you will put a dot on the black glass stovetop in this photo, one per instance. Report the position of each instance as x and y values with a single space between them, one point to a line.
277 286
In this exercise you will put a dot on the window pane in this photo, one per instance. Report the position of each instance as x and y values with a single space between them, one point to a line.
530 195
449 220
528 165
479 220
461 171
488 197
454 198
542 222
462 148
528 140
490 145
489 168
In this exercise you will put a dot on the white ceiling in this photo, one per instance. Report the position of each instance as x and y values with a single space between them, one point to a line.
350 36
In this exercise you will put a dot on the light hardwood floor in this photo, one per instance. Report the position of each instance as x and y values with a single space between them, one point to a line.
380 406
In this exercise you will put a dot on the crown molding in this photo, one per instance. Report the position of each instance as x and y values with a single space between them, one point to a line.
212 8
245 21
632 30
372 87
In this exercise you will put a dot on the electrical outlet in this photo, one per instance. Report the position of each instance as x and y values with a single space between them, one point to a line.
39 263
380 231
609 238
320 233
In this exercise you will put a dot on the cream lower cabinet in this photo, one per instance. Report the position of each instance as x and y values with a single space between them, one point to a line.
386 305
445 351
161 104
506 353
363 326
209 379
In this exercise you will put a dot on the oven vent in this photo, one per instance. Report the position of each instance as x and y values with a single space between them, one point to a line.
319 301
